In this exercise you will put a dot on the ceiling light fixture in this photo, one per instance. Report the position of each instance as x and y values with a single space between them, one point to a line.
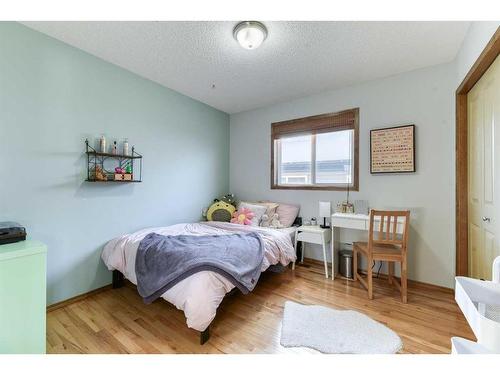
250 34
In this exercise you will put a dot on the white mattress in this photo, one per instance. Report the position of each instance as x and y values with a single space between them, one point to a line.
200 294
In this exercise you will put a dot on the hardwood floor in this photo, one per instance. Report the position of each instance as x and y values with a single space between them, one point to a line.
117 321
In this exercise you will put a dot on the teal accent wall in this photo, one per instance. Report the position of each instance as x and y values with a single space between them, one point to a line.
52 97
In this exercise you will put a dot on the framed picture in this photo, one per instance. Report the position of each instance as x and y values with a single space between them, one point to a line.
392 150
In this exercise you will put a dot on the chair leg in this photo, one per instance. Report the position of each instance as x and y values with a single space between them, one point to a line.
370 278
391 272
354 264
404 281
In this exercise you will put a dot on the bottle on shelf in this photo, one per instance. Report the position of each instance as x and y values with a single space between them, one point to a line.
114 148
102 143
125 147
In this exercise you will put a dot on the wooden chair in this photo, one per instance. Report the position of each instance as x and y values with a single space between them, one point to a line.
388 246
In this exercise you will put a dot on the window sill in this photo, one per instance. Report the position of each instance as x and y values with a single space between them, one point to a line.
313 187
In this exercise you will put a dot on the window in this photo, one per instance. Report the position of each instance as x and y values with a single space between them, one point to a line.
318 152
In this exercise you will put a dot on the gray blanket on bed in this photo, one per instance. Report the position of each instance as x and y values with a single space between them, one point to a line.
163 261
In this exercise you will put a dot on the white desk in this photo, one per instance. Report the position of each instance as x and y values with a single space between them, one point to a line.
355 221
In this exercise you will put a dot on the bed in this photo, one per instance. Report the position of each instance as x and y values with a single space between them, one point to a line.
199 295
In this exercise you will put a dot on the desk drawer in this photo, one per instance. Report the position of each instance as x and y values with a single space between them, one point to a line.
350 223
310 237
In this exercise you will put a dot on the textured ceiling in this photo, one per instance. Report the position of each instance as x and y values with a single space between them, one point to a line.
297 58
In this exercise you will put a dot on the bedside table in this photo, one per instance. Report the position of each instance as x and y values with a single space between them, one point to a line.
316 235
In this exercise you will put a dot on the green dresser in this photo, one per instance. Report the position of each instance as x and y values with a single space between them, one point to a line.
22 297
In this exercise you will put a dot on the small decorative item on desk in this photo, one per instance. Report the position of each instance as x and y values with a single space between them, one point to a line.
349 208
313 221
325 211
345 207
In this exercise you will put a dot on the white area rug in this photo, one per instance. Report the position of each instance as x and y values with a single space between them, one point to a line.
336 331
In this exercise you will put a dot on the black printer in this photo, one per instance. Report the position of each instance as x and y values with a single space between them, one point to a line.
11 232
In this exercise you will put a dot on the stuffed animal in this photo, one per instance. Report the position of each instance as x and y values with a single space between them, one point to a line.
243 216
275 222
229 198
272 222
265 221
220 211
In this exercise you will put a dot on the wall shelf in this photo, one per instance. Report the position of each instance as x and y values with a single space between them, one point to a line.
100 160
118 181
105 154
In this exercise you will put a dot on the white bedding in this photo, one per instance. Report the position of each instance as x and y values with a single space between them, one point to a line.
200 294
290 231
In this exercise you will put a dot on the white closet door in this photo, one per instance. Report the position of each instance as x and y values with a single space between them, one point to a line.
483 103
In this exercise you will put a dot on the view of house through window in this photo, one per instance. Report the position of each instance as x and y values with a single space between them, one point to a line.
296 160
316 159
334 157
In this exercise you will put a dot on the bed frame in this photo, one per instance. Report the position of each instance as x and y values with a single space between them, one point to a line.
119 281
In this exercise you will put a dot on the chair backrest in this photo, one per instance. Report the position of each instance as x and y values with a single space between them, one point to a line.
384 228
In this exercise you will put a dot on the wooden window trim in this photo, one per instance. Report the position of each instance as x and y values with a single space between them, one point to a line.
343 120
487 57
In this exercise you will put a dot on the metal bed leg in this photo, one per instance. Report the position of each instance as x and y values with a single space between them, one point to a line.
118 279
205 335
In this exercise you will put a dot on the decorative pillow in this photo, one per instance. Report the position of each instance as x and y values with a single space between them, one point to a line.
271 207
258 211
243 216
220 211
287 213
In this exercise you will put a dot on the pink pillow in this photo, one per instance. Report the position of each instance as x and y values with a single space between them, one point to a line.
243 216
287 213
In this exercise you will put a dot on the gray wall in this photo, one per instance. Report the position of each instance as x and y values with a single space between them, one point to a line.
52 97
424 98
478 36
